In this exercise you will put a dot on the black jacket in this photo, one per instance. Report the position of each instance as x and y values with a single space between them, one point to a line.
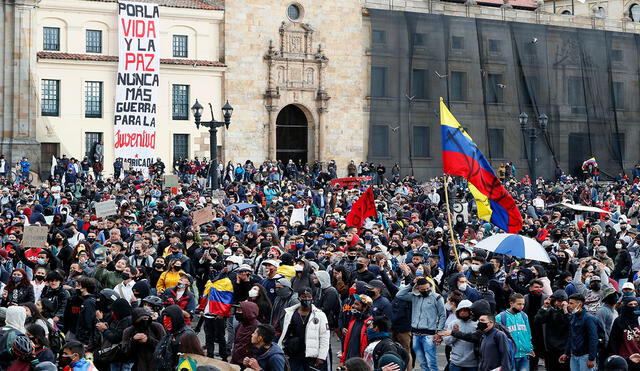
19 295
86 324
556 328
54 302
141 354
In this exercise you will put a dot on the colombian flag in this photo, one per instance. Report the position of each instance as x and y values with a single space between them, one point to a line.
218 297
461 156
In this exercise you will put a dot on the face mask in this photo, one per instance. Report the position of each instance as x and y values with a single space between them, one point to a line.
64 361
627 293
328 236
462 287
299 246
305 303
142 325
91 239
298 268
618 246
166 321
536 292
359 266
595 286
424 293
78 292
177 268
515 310
239 317
448 307
253 293
351 257
16 279
575 311
475 267
482 326
623 227
41 261
282 292
158 265
39 277
355 312
181 286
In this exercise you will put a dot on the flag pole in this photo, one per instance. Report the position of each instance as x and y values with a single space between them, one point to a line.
446 200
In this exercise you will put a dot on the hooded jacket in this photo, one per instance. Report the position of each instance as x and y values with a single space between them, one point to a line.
272 359
316 336
13 328
555 324
328 299
428 313
242 342
141 353
462 352
494 351
121 319
180 339
281 303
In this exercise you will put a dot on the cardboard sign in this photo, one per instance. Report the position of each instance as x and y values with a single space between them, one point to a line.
297 216
106 208
170 181
203 216
34 236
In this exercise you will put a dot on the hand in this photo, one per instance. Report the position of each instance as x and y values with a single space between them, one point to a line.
56 319
565 307
344 332
318 362
133 299
444 333
437 339
547 303
456 327
101 326
563 358
140 337
99 314
252 363
635 358
532 354
591 364
390 367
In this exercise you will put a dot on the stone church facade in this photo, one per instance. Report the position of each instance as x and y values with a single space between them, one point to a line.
297 76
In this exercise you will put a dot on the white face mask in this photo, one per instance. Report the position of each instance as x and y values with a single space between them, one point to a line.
253 293
618 246
448 307
475 267
462 286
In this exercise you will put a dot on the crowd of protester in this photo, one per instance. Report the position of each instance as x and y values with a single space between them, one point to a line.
132 291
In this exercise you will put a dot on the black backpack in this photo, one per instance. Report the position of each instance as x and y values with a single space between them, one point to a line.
383 347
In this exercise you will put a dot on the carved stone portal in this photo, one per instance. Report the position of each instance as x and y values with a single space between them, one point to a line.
296 75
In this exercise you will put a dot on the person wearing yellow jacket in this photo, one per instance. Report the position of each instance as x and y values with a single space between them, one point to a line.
170 277
286 266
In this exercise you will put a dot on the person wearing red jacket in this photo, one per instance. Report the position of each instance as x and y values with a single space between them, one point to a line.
355 340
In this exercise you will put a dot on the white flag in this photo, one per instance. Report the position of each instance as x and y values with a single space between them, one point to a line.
54 163
297 215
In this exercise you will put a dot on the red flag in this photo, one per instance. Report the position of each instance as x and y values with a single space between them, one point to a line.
362 209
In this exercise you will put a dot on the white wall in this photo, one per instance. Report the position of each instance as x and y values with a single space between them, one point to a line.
73 17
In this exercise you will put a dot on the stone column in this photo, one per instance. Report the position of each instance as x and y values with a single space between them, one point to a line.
18 83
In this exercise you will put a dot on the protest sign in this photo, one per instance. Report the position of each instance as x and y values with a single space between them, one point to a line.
137 84
34 236
203 216
297 215
170 180
106 208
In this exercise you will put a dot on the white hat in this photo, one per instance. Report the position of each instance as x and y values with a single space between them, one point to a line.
245 267
628 285
271 262
235 259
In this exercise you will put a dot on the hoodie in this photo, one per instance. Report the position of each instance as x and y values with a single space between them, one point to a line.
328 299
272 359
15 318
121 319
462 352
180 339
248 322
139 352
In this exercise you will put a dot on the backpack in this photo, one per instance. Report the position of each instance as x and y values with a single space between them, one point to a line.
399 351
511 344
5 347
56 340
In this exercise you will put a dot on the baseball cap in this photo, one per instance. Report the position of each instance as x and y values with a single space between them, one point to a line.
364 299
375 284
234 259
628 285
244 267
602 249
271 262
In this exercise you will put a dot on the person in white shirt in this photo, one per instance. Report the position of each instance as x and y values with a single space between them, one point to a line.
38 283
434 197
125 288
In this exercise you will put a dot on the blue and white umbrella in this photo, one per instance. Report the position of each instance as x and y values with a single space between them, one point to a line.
514 245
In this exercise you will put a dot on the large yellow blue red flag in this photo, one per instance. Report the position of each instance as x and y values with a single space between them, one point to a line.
218 297
461 157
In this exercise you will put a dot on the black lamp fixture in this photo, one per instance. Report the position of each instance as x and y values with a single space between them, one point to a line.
533 131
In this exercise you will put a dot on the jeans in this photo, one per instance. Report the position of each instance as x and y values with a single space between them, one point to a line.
121 366
425 350
579 363
522 364
453 367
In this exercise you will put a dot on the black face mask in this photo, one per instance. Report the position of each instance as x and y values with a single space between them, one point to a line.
125 276
142 325
158 265
359 266
482 326
424 293
595 286
239 317
371 293
351 257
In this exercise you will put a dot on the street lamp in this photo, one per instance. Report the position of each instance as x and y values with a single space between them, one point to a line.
533 130
213 126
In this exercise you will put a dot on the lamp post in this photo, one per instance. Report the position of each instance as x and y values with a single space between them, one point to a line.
533 130
213 133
